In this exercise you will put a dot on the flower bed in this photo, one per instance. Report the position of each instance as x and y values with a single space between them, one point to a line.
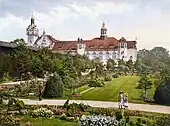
98 120
42 112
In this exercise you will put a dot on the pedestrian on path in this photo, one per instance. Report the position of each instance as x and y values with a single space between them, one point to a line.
120 100
41 88
125 101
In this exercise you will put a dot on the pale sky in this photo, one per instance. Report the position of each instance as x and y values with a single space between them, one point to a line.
149 20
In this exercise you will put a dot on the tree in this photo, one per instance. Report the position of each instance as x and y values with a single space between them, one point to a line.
129 64
54 87
144 85
21 59
110 64
162 93
19 41
97 64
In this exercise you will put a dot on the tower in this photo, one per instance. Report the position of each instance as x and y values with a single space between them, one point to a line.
32 32
80 46
103 32
123 49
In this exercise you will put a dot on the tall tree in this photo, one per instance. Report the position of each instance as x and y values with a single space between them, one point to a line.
144 85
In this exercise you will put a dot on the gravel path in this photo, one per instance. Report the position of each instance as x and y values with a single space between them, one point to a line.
86 90
103 104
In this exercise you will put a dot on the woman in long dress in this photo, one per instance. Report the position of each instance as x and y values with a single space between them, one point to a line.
125 101
120 100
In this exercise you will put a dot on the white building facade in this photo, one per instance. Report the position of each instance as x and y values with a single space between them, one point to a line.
103 47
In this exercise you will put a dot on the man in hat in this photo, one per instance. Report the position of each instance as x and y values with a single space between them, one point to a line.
125 101
120 99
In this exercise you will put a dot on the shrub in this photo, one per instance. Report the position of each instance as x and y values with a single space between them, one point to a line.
63 116
108 78
68 82
162 94
15 105
95 82
115 75
9 120
42 112
54 87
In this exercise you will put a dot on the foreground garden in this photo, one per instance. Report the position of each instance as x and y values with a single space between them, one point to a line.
15 113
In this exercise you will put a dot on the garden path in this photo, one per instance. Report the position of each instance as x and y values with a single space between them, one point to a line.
103 104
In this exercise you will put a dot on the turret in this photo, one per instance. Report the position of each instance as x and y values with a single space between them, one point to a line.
103 32
80 46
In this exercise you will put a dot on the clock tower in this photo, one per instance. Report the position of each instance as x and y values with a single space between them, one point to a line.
32 33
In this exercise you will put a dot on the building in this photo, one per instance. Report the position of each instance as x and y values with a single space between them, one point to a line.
102 47
33 38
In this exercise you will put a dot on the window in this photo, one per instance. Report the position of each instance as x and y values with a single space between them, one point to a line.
122 45
131 57
122 52
80 46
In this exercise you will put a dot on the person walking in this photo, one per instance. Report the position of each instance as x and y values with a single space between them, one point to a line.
125 101
120 99
41 88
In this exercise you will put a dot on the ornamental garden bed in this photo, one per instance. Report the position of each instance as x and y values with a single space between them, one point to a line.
79 115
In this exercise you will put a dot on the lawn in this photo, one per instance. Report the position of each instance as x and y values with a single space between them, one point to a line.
83 88
46 122
110 91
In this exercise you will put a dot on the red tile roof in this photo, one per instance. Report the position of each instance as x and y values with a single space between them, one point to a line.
94 44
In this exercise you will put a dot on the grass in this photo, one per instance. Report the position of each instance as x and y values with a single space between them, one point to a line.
83 88
46 122
110 91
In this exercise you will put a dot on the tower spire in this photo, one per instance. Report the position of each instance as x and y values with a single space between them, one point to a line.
32 18
103 31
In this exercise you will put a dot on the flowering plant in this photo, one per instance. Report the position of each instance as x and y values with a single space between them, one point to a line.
42 112
98 120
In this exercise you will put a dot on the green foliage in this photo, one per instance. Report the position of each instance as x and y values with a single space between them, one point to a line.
69 82
54 87
27 88
115 75
5 78
4 94
15 104
9 120
108 78
95 82
110 64
144 84
118 115
162 94
153 60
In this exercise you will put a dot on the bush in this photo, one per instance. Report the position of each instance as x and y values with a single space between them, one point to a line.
162 94
108 78
42 112
54 87
68 82
115 75
95 83
9 120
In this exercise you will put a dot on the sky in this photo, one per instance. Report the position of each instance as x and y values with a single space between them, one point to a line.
146 20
